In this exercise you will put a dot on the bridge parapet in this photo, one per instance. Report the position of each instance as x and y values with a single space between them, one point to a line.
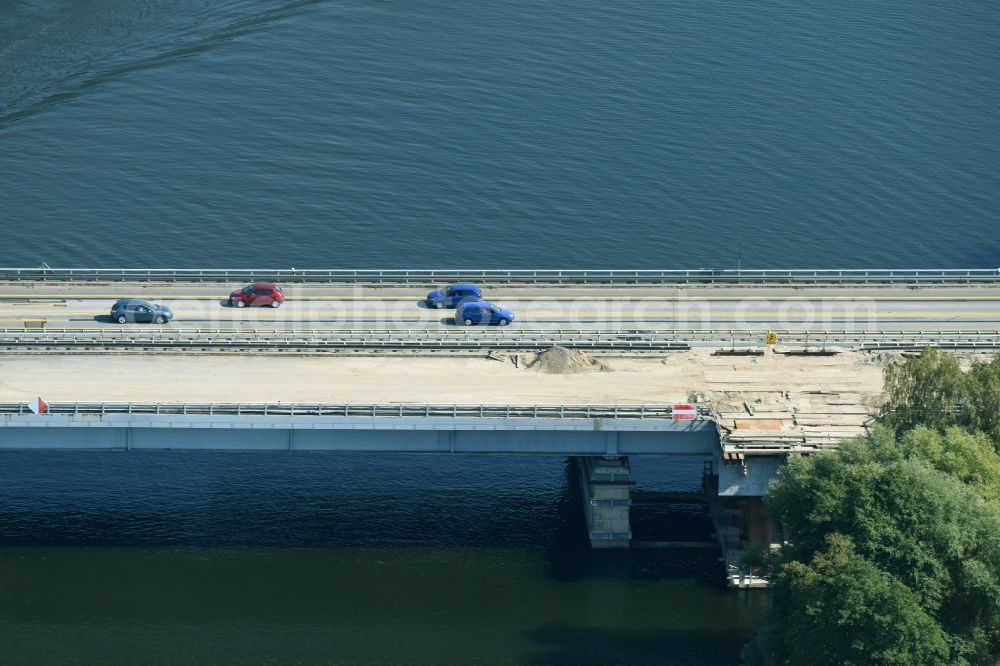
481 411
591 430
819 276
478 340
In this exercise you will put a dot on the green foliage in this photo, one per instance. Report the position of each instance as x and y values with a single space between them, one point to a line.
839 608
982 409
924 390
909 528
895 555
969 457
756 556
931 390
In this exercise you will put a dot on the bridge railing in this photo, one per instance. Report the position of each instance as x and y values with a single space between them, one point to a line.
485 339
516 276
352 410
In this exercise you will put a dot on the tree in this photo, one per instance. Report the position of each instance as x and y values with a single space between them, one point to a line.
982 410
931 390
920 527
924 390
970 457
895 537
839 608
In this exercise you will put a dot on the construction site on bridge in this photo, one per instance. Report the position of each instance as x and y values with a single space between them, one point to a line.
771 400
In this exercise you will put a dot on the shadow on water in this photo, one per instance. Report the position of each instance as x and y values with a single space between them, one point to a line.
261 500
583 646
570 558
232 500
568 555
317 500
327 501
76 88
431 547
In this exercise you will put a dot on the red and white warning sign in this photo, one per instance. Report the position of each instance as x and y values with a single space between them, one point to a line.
38 406
684 411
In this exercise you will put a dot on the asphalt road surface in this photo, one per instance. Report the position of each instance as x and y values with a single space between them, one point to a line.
546 307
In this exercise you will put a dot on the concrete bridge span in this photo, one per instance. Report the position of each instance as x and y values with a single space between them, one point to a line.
600 439
564 430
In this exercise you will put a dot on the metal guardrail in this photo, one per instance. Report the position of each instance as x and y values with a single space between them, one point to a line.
482 339
525 276
388 339
335 410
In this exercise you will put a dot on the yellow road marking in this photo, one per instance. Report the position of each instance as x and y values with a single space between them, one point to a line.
515 298
762 329
682 314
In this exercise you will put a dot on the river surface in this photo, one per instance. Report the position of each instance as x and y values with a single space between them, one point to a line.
347 559
576 134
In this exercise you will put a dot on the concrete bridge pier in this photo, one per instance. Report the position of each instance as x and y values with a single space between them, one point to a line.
742 526
606 485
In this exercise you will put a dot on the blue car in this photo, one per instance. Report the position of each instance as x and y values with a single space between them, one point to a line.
139 311
452 296
481 312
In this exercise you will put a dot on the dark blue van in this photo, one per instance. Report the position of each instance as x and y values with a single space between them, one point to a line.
450 297
481 312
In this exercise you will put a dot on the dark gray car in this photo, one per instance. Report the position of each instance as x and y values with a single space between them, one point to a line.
138 311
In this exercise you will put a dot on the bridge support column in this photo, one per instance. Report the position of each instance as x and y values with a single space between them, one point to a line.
742 527
605 484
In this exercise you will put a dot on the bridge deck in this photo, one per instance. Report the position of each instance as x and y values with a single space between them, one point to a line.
438 380
611 318
567 308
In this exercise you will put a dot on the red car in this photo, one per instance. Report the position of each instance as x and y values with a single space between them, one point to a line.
258 293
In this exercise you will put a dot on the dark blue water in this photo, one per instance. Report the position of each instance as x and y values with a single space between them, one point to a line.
348 559
570 134
388 134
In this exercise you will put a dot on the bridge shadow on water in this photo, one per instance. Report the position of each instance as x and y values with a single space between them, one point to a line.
247 500
494 548
570 557
562 645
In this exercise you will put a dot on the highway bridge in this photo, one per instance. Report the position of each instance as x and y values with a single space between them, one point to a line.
608 311
355 360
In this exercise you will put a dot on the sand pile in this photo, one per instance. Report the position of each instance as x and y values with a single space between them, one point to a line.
563 361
